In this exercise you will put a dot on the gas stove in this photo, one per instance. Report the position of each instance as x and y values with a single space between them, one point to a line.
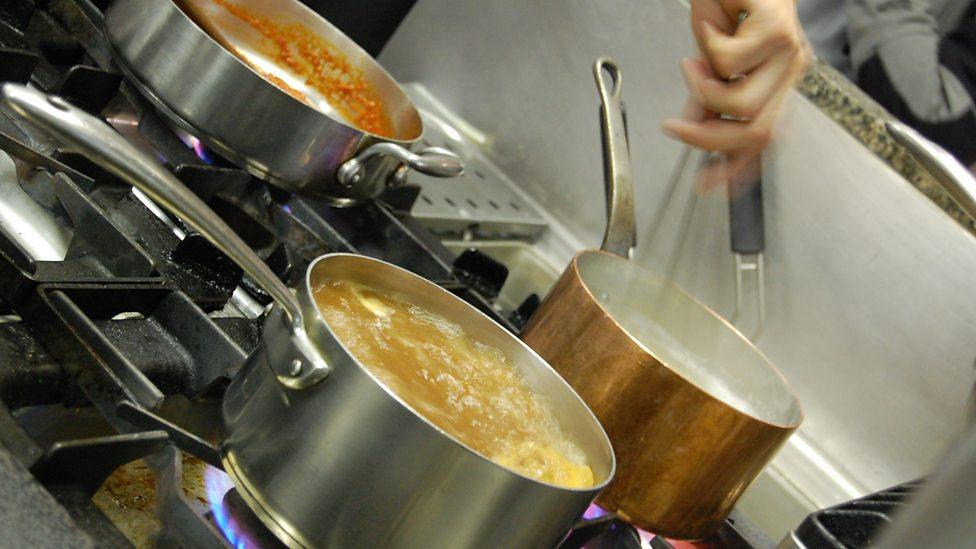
120 327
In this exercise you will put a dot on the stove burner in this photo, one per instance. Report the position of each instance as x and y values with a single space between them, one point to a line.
201 150
241 526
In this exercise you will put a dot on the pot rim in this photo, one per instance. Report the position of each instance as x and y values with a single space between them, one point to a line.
350 45
791 425
315 317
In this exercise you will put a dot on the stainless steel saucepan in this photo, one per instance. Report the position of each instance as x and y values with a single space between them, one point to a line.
207 89
320 449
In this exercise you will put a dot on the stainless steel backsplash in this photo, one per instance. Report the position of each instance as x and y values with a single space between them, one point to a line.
871 293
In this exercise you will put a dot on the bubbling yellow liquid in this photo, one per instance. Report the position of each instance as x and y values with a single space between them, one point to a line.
468 389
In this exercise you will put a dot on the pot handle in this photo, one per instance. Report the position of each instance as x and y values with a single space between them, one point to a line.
94 138
620 237
435 161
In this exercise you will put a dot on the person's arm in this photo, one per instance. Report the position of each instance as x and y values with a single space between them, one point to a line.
919 76
745 71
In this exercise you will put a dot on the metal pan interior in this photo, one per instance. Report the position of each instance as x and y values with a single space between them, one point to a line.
689 338
290 24
574 417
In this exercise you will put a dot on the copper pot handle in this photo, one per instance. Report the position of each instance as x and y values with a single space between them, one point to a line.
95 139
621 233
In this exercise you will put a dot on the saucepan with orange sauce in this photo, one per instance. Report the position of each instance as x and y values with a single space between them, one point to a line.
380 410
277 89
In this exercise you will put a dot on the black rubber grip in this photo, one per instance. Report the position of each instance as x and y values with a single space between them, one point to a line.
747 232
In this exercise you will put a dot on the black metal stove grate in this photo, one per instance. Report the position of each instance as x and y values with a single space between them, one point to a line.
854 524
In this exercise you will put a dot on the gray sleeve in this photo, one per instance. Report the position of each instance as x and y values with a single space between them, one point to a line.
904 36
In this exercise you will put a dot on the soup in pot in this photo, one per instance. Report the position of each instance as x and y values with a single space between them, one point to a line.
468 389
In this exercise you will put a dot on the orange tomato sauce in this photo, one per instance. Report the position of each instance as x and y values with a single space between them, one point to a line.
322 66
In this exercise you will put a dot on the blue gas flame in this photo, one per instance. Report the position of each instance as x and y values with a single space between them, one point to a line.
216 484
200 149
594 511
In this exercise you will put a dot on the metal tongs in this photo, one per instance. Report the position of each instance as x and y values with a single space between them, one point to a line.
747 238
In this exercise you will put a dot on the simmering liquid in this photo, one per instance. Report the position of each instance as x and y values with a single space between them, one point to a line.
468 389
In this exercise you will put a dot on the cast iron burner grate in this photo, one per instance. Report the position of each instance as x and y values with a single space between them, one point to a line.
853 524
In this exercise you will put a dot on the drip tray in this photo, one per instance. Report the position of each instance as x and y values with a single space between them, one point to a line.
528 271
483 201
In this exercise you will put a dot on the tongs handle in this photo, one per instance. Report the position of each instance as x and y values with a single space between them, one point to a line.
747 237
95 139
747 233
620 237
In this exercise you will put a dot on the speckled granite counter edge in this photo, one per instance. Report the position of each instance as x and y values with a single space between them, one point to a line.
864 119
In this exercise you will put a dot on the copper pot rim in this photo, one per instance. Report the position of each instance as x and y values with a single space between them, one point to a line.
786 426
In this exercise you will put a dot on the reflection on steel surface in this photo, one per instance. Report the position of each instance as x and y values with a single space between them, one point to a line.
25 221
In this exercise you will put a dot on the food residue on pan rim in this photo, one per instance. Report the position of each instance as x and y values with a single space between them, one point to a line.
313 60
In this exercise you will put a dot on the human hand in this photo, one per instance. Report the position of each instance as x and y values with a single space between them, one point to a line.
738 85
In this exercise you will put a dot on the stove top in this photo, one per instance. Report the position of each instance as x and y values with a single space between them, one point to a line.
120 327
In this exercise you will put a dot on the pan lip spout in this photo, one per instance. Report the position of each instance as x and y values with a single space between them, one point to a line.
792 416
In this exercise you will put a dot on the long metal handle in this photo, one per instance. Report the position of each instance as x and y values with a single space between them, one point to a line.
435 161
94 138
621 235
747 233
949 172
747 238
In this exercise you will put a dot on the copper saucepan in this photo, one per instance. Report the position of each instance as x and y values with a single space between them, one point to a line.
693 409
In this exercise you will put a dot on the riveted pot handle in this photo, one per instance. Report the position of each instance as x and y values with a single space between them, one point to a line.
621 234
95 139
435 161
